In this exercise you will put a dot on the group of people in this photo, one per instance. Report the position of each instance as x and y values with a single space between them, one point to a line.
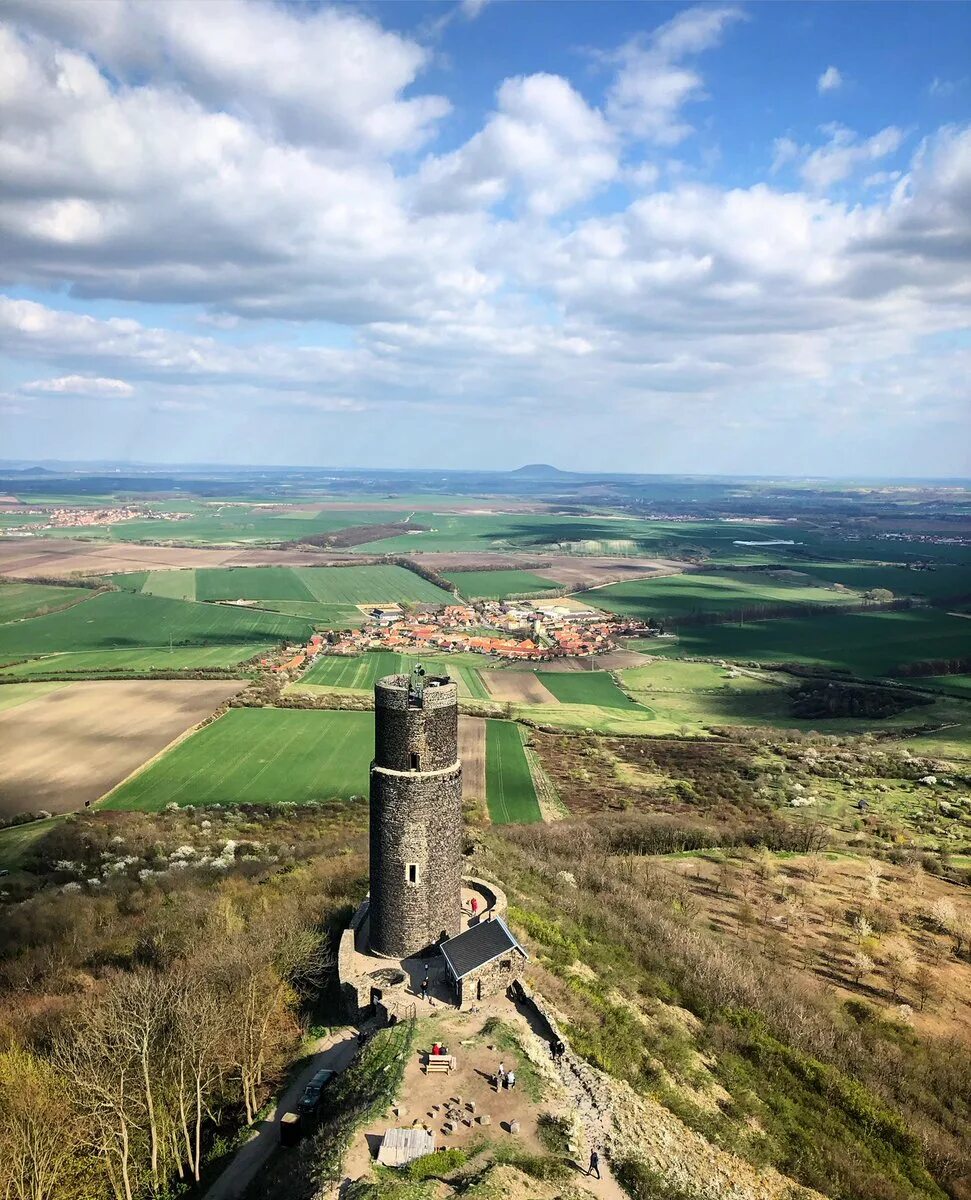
505 1079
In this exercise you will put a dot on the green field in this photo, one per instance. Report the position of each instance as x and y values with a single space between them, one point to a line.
176 585
87 664
673 596
942 581
360 672
221 523
510 794
14 694
16 840
321 616
324 585
497 585
22 600
867 643
259 756
585 687
251 583
117 620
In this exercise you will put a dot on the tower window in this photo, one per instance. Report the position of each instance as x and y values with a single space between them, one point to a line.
415 762
413 873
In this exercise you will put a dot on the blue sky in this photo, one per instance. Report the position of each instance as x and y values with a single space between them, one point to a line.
715 238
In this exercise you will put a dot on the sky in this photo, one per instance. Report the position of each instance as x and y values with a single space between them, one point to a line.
623 237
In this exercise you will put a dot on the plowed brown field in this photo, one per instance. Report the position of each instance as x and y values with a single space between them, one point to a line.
472 752
76 743
517 687
61 556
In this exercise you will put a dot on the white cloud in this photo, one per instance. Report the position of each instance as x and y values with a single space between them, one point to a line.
327 77
544 265
543 139
843 154
653 84
80 385
784 150
830 81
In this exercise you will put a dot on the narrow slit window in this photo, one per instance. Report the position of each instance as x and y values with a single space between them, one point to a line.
415 762
413 873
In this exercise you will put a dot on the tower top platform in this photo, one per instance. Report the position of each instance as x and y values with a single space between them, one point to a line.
411 691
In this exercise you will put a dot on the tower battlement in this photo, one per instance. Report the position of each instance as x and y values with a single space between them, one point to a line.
416 814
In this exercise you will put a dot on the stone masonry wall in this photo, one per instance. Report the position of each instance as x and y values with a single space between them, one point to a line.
416 819
400 730
493 977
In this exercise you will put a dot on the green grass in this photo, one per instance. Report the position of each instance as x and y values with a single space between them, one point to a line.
496 585
510 794
867 643
672 596
219 523
938 583
117 620
952 685
585 687
93 663
176 585
382 584
259 756
130 581
342 586
14 694
16 840
22 600
360 672
251 583
322 616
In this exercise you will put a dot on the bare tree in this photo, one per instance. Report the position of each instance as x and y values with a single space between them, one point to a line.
39 1132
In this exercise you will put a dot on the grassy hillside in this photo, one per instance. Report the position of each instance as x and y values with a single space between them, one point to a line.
867 644
585 687
510 793
259 756
87 664
496 585
117 620
673 596
19 601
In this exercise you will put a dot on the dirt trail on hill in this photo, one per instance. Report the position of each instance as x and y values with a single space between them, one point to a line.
619 1120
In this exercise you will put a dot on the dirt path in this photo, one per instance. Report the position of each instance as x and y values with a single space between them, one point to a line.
334 1052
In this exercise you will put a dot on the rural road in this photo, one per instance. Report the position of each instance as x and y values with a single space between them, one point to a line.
335 1052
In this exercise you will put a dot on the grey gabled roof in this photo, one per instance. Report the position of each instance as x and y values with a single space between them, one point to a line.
478 945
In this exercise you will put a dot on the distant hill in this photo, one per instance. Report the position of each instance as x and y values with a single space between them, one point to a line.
539 471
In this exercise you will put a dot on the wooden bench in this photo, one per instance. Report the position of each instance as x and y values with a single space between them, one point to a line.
440 1062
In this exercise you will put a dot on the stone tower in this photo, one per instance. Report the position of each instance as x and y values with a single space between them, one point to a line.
416 814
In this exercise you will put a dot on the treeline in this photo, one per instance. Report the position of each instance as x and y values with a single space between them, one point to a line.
151 1011
419 569
933 666
357 535
826 698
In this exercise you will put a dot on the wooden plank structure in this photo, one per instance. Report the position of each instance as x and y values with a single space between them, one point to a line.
440 1062
402 1146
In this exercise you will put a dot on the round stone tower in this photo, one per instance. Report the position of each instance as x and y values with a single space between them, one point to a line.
416 814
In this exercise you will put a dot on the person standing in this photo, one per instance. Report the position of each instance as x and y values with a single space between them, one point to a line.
511 1080
594 1163
500 1077
424 988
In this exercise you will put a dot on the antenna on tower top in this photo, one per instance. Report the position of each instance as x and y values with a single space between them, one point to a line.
416 686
